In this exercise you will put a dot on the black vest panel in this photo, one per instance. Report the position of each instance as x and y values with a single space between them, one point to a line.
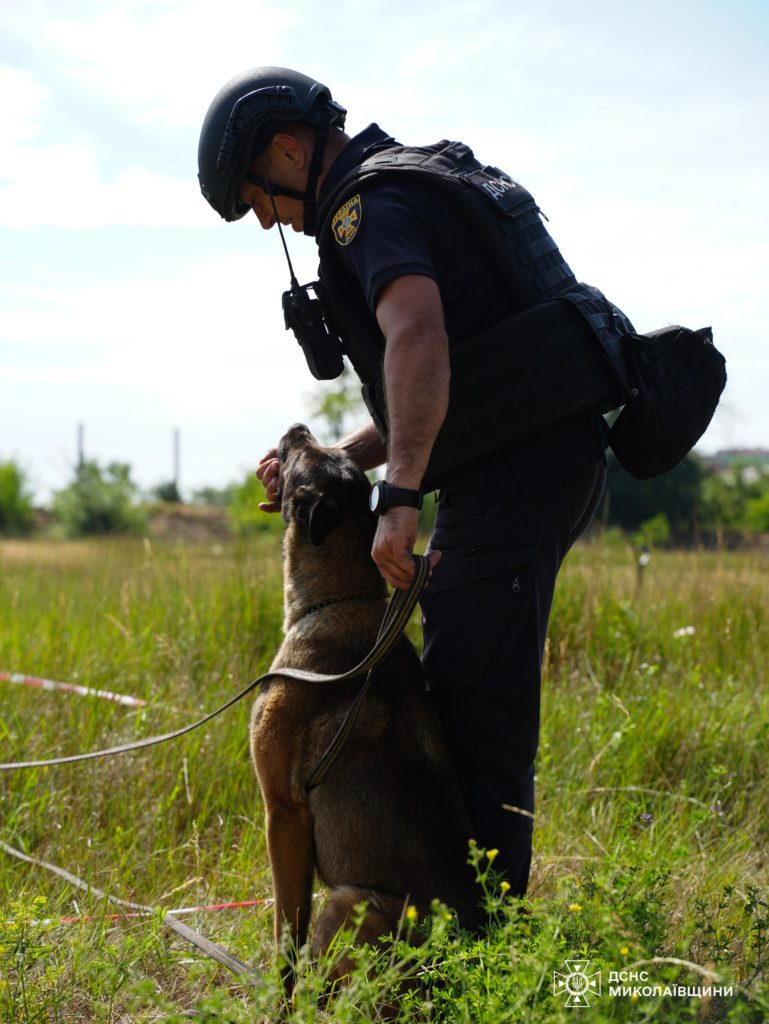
510 226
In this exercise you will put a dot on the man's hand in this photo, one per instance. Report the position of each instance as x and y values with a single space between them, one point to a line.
394 544
268 472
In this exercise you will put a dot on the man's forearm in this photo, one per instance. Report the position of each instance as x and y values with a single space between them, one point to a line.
364 446
417 373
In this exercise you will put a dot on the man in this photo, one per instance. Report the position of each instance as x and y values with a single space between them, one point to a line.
409 276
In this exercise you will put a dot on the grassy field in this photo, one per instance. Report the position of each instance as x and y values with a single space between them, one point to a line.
651 839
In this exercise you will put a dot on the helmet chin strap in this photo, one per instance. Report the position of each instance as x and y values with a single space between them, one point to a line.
313 174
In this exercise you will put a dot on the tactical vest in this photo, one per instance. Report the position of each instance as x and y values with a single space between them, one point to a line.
511 380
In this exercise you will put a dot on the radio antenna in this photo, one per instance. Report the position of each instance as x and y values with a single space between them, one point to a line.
294 282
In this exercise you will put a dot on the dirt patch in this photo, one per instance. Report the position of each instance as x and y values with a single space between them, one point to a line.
188 523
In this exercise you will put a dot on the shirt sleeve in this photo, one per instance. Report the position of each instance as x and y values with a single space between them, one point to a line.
393 239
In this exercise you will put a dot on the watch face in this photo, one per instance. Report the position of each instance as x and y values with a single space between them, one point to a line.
374 497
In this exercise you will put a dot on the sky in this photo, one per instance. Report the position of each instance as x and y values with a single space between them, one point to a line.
128 306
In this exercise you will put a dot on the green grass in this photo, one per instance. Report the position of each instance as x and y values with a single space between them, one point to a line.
653 802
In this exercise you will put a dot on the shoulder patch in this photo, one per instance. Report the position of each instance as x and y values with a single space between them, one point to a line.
347 221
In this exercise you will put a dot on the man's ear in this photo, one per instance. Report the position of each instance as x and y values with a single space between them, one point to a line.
325 516
287 148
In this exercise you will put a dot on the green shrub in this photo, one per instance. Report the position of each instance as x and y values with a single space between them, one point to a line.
100 501
168 492
678 494
757 514
654 531
245 517
15 501
213 497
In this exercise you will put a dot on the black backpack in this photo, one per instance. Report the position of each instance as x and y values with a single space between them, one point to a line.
676 379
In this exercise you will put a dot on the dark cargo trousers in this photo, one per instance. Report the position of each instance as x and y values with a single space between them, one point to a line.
485 615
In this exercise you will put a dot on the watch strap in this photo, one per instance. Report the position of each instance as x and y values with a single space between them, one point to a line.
392 496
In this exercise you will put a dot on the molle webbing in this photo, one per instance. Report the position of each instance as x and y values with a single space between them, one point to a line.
502 210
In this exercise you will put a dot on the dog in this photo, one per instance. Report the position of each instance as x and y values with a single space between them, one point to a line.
387 826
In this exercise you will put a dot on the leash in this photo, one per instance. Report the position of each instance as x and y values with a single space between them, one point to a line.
395 619
397 614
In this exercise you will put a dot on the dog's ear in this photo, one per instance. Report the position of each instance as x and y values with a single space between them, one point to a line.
325 515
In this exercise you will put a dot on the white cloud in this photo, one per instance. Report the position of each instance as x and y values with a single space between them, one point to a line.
23 100
162 61
134 63
64 186
209 342
203 339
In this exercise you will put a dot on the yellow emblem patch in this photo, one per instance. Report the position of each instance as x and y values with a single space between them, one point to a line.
347 221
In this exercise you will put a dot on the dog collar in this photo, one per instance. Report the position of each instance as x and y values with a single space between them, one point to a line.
339 600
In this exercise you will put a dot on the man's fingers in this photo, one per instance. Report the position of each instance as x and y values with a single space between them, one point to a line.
399 581
398 571
393 543
272 454
268 472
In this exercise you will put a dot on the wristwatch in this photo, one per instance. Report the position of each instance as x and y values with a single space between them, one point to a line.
384 496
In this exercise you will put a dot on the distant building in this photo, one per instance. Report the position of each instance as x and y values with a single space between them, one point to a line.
749 464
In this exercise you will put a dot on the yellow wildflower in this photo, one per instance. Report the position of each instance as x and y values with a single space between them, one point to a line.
575 907
412 913
504 886
491 855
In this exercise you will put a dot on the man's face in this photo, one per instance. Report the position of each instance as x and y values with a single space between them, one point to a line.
290 211
283 163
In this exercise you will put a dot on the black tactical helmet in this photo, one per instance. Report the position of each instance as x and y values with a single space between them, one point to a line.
242 119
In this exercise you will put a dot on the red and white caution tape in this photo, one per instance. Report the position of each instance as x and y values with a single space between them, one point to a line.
179 912
81 691
241 970
134 914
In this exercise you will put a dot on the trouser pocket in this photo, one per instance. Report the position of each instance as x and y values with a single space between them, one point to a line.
474 600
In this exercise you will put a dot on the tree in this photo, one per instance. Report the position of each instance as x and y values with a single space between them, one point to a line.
244 513
214 497
16 515
756 516
339 405
167 491
677 494
100 501
722 505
